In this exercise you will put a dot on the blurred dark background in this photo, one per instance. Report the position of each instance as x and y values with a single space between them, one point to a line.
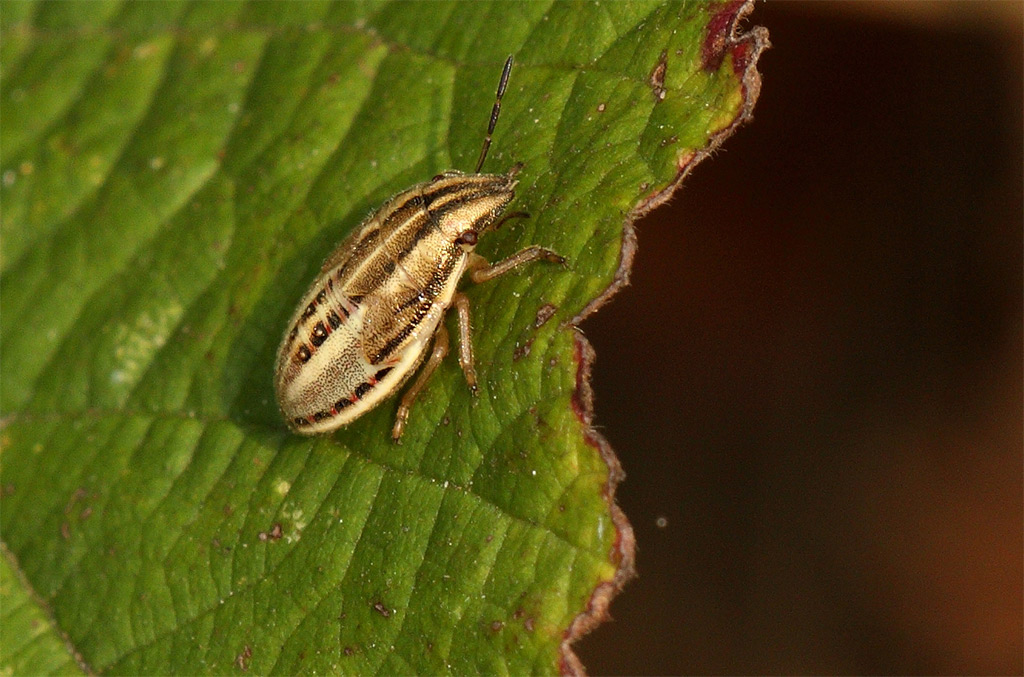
815 381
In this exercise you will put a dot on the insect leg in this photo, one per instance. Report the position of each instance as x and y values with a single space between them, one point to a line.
465 340
511 215
436 355
481 271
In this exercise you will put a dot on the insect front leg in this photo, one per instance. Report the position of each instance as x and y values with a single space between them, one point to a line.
481 271
436 355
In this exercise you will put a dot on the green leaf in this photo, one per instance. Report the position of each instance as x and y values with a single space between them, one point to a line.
172 176
32 645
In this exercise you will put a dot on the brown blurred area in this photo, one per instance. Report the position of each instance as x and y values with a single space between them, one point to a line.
814 382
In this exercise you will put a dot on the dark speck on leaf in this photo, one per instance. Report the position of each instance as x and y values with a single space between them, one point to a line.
242 660
79 494
382 610
274 534
522 351
544 313
657 79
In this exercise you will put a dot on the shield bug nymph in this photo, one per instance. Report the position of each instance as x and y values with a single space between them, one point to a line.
368 320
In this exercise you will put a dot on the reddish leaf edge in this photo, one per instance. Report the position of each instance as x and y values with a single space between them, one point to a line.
724 37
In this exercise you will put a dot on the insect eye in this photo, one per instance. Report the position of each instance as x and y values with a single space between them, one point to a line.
467 238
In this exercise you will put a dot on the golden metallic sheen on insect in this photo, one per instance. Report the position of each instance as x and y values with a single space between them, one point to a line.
366 324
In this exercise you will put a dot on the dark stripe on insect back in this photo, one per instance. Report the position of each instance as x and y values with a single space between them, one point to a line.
411 221
357 253
433 192
425 299
406 226
397 339
456 194
424 224
432 288
401 212
431 221
372 273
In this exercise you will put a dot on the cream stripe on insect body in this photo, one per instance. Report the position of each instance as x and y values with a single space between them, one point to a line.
368 321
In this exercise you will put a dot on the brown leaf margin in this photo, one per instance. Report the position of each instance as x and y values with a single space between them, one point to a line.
724 36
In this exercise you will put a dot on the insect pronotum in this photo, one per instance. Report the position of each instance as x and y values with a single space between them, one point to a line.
366 323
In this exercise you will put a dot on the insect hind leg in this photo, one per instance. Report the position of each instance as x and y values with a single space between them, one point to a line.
438 353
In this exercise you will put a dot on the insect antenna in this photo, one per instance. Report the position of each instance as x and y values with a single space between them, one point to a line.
494 113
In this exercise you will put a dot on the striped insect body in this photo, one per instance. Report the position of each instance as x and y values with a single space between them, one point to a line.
375 313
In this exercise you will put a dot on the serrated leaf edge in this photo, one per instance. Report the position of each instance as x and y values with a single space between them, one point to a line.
724 36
